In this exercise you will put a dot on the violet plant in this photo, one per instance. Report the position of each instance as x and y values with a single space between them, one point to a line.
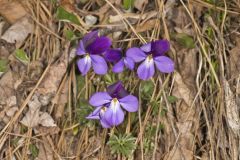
91 47
95 51
109 105
151 54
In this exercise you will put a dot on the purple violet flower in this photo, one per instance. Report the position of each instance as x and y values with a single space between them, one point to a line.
151 53
109 105
91 46
115 55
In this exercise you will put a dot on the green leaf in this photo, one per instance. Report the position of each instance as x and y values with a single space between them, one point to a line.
161 126
64 15
211 1
75 130
185 40
155 106
109 78
82 111
128 4
3 65
34 150
22 56
148 145
172 99
53 1
147 88
163 112
210 32
15 141
84 1
69 34
122 144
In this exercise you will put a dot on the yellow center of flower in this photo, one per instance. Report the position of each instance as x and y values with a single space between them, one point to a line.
87 55
115 100
87 58
149 57
103 109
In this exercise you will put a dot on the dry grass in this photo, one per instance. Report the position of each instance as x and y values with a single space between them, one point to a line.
202 124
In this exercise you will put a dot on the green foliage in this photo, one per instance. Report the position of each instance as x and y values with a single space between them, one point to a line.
172 99
83 110
220 17
211 1
215 65
155 105
148 145
147 88
69 34
163 112
150 130
34 150
122 144
3 65
128 4
23 129
21 55
75 130
80 85
161 126
15 141
64 15
210 32
185 40
84 1
53 1
109 78
148 141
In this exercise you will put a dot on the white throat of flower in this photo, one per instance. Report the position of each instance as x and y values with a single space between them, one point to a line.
149 60
87 58
114 104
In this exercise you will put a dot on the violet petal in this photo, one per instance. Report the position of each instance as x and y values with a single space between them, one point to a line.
99 99
112 55
84 65
89 38
99 64
104 123
100 45
81 49
146 69
146 47
129 103
114 114
164 64
136 54
160 47
95 114
117 90
129 63
118 67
